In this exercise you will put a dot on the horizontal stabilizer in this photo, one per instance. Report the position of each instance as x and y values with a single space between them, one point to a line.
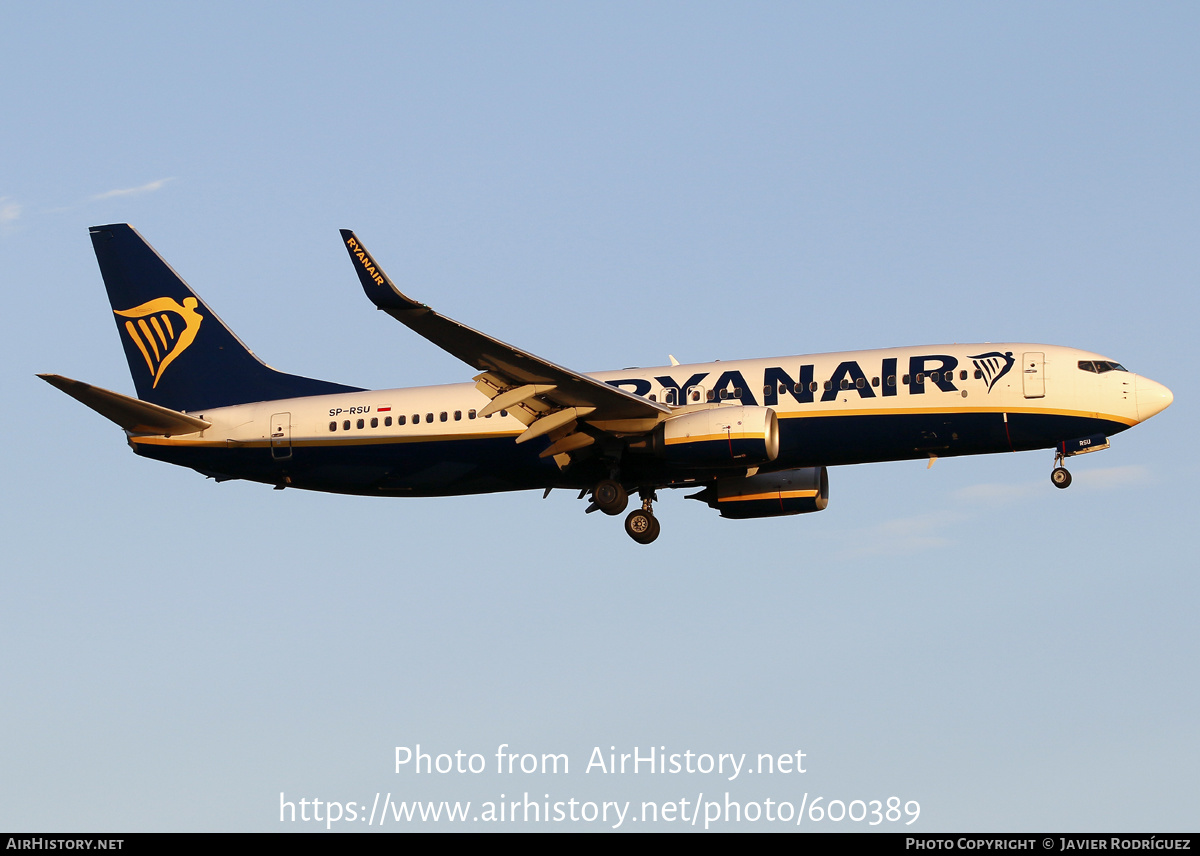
132 414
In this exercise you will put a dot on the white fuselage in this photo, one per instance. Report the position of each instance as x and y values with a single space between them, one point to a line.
919 387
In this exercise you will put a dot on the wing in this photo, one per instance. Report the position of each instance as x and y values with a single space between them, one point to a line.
569 407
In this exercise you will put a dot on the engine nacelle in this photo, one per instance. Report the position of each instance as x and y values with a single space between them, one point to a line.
778 494
728 436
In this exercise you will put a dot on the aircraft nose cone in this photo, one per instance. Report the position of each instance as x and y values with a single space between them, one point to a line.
1152 397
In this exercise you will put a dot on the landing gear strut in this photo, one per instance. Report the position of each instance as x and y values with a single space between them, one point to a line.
641 524
1059 476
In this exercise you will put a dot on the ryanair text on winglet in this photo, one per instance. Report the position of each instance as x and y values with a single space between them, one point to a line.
367 262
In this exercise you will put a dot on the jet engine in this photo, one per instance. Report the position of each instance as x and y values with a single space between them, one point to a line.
778 494
728 436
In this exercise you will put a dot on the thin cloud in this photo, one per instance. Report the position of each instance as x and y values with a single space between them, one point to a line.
994 492
130 191
9 211
1104 478
905 535
1111 478
149 187
931 531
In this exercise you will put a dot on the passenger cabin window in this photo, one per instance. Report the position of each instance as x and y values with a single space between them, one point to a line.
374 422
470 414
400 420
874 381
428 417
361 423
346 425
444 416
891 381
458 416
962 375
387 421
332 426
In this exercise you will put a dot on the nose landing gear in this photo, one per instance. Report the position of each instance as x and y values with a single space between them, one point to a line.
1069 448
1059 476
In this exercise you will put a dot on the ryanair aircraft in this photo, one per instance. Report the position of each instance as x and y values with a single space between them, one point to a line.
755 437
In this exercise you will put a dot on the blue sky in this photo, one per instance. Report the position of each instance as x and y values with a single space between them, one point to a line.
603 185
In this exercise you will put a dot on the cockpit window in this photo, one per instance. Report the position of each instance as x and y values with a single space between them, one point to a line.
1101 366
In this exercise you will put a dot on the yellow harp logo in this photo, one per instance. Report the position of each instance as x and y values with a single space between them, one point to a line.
163 330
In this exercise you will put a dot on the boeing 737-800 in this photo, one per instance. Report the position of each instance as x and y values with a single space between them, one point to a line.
755 437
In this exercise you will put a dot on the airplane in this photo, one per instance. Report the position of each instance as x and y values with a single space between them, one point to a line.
754 437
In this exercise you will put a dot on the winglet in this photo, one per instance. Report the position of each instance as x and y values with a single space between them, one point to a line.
379 287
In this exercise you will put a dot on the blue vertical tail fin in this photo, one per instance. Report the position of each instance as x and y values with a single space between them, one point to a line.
181 355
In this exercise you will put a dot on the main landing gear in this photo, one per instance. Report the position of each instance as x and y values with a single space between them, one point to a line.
610 497
1059 476
641 524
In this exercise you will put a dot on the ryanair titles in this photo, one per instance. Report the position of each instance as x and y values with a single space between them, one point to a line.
924 371
368 263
